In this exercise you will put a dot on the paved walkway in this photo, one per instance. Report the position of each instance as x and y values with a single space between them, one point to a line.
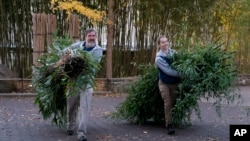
21 121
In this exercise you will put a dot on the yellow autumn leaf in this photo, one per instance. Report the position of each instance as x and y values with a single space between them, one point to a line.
72 5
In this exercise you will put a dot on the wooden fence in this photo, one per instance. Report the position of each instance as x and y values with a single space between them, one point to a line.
44 25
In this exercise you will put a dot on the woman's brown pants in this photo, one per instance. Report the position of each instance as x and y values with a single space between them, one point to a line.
168 94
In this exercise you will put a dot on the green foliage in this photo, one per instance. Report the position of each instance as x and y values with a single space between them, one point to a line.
144 101
54 85
209 72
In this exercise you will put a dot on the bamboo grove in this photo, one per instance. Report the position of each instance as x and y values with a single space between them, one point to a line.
137 24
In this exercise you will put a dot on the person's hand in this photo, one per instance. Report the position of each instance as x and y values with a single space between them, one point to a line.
63 59
182 76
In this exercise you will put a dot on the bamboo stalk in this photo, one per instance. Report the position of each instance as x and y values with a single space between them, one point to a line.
74 25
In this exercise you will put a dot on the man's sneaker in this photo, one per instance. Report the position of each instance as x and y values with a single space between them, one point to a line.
82 138
70 132
170 129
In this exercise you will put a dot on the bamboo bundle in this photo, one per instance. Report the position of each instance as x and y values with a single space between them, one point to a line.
209 73
54 85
